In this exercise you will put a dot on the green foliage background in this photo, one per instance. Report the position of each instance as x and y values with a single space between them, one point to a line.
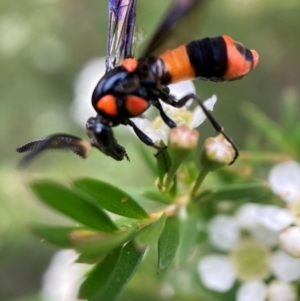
43 46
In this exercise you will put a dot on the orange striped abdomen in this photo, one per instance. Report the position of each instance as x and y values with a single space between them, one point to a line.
216 59
177 64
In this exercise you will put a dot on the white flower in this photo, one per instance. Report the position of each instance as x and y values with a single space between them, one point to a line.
251 260
157 130
289 240
284 180
217 272
252 291
261 223
224 232
273 217
281 291
285 267
85 83
63 277
246 216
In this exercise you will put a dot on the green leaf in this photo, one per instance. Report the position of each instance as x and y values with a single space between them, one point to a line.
97 244
110 277
56 235
151 233
111 198
99 276
73 205
163 163
289 110
234 192
147 155
157 196
268 128
188 238
168 243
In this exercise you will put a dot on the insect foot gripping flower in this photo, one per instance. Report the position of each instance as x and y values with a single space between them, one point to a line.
216 153
157 130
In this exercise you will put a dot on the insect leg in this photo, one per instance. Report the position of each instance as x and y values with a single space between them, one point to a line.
216 125
142 136
167 120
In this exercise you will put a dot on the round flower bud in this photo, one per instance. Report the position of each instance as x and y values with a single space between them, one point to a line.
216 153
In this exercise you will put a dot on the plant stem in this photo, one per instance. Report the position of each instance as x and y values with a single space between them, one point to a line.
203 173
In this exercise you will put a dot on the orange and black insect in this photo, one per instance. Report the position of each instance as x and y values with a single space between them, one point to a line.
130 86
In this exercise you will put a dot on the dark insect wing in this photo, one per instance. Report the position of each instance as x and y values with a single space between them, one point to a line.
168 33
121 25
67 142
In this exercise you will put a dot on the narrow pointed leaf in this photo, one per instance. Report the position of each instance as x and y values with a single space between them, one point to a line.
150 233
289 110
234 192
98 277
188 238
146 155
157 196
111 198
168 243
268 128
56 235
163 164
98 244
73 205
109 279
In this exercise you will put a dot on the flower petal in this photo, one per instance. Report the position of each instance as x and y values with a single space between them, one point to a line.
281 291
274 218
265 235
223 232
198 115
63 277
217 272
181 89
81 108
284 180
252 291
246 216
289 240
285 267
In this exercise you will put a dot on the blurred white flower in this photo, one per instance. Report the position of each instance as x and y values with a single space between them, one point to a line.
63 277
285 267
85 83
284 180
273 217
246 216
251 260
252 291
281 291
260 223
217 272
224 232
289 240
